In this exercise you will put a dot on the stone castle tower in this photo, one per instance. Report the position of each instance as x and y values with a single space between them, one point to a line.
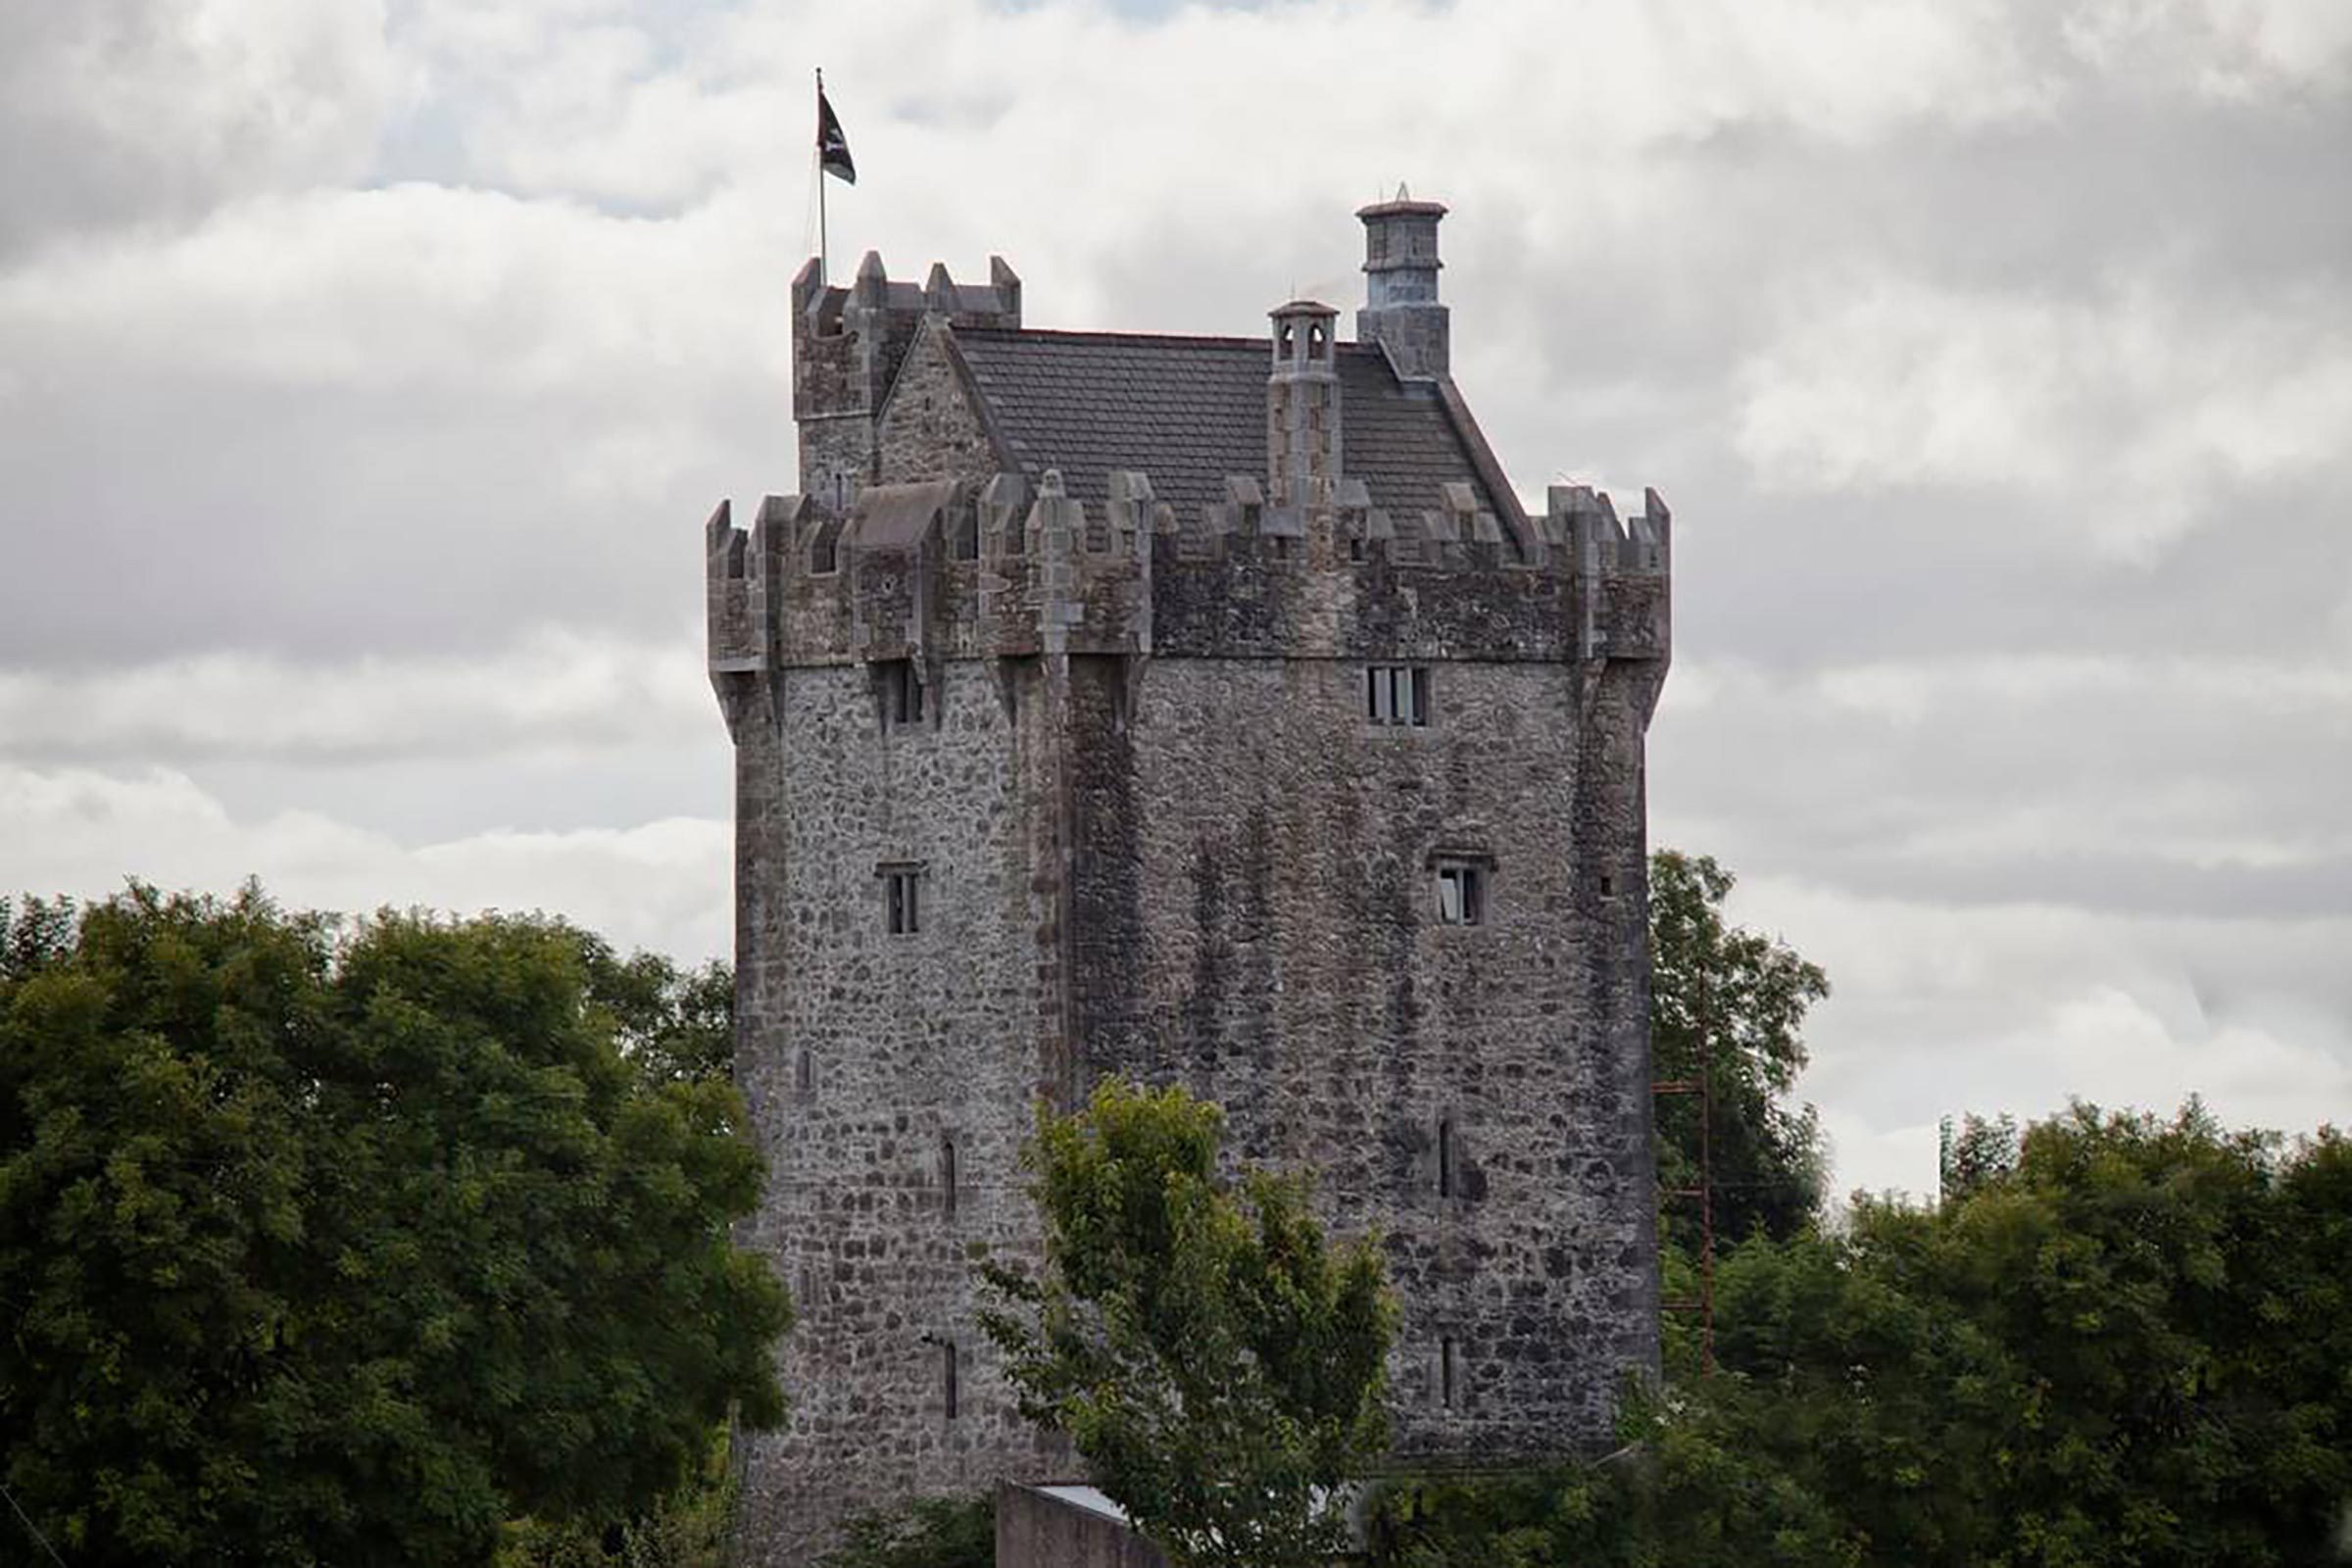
1195 708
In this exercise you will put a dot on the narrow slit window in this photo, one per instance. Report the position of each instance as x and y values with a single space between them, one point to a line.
947 1176
1397 694
949 1391
1445 1157
1445 1373
902 693
804 1073
1461 893
902 900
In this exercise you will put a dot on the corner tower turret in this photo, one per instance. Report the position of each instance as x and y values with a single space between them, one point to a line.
1401 312
846 347
1303 404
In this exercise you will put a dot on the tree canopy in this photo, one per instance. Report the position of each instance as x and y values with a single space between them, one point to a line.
1747 993
2129 1345
326 1245
1216 1361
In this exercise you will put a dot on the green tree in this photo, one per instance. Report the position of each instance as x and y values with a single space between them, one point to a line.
927 1533
1971 1152
1686 1491
326 1246
1217 1364
1748 994
691 1527
2125 1347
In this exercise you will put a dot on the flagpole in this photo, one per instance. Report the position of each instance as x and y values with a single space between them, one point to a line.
824 243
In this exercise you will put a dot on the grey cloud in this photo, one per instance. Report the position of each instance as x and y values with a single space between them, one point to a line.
451 417
118 111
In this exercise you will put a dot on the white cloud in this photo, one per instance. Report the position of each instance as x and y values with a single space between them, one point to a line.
2068 777
2228 49
2129 413
413 418
2017 1007
1908 691
1065 102
116 110
555 688
416 289
661 884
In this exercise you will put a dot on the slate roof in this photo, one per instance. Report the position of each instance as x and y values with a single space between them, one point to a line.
1190 410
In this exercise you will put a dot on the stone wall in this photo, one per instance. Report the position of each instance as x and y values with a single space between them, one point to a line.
863 1055
1256 909
930 429
1155 833
1040 1529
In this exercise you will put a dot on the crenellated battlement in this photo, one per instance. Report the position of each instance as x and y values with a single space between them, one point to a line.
848 343
949 569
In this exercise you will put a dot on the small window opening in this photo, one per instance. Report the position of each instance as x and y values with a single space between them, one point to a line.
1397 694
804 1073
1445 1157
1282 547
902 693
1445 1359
900 902
947 1176
1355 549
1461 893
948 1377
1608 884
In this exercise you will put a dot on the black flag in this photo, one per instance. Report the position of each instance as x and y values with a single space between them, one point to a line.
832 147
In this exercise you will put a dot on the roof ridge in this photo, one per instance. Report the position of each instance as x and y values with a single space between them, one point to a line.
1201 338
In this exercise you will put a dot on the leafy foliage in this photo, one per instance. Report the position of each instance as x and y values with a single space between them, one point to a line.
1215 1363
2127 1347
344 1246
1683 1490
1973 1152
688 1528
928 1532
1750 993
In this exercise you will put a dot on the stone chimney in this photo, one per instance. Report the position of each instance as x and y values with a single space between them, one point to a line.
1400 310
1302 403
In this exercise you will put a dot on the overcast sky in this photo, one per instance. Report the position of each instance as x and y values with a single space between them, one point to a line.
366 370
